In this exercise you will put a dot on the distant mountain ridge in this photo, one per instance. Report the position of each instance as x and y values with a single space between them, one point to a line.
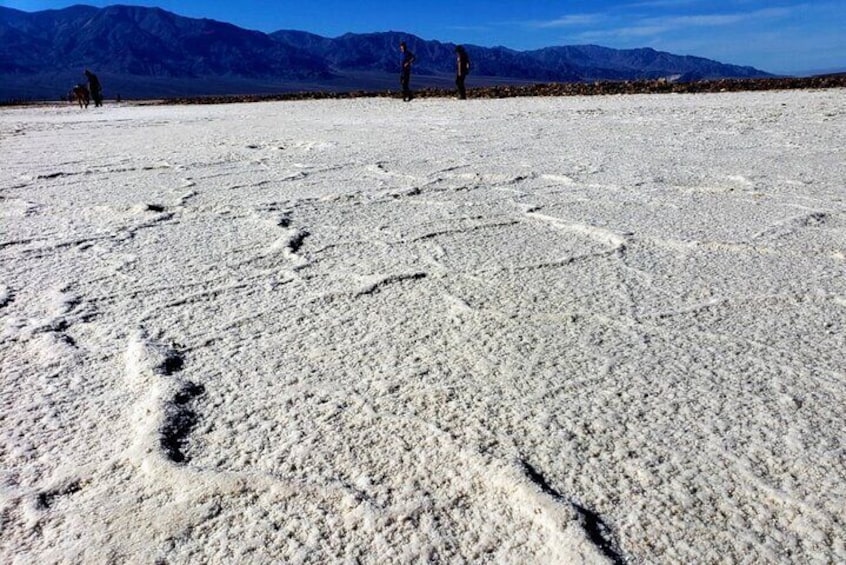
575 63
150 52
144 41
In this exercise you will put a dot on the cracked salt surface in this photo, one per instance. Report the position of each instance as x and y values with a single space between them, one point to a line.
559 330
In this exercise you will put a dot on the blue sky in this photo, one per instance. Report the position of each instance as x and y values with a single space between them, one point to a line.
779 36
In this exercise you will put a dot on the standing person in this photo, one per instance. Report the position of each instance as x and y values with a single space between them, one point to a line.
462 69
405 75
94 88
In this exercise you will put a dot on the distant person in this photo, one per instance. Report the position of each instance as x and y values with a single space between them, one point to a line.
405 74
462 69
94 88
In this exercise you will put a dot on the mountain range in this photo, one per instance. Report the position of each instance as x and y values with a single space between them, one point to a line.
143 52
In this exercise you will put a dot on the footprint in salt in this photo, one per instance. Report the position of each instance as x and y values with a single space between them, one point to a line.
17 207
7 295
559 179
45 324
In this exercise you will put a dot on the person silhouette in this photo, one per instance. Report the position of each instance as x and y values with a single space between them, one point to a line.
94 88
462 69
408 59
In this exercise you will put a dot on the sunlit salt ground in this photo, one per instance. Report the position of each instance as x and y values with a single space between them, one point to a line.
531 331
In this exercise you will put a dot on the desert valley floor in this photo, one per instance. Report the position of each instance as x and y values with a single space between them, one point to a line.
535 330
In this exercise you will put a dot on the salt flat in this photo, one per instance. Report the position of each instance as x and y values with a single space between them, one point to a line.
531 331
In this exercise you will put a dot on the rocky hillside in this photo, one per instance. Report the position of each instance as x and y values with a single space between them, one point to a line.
151 53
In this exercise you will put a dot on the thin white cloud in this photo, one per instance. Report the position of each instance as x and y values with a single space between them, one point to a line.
639 27
569 21
717 20
656 26
663 3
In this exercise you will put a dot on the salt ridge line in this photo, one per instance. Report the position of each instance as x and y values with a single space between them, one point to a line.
602 235
161 424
